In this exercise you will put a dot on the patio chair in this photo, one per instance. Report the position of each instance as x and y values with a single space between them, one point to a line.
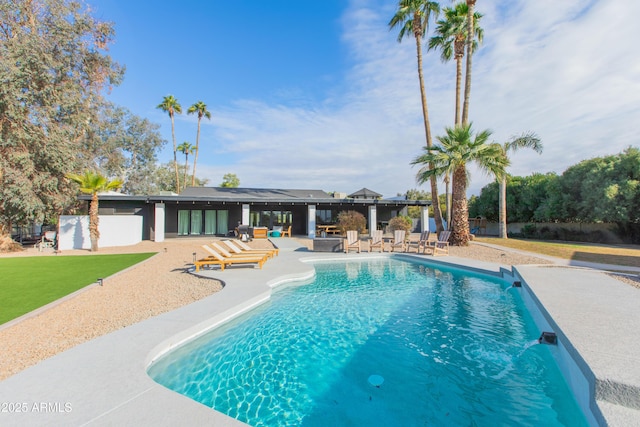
441 246
215 258
48 240
376 241
352 241
236 250
286 232
399 241
246 247
423 243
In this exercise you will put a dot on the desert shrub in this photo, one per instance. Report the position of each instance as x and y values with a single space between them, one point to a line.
7 244
400 223
351 220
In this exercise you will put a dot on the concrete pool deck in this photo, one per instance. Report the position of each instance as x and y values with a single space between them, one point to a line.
104 381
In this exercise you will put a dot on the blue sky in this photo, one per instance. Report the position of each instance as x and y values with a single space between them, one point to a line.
320 95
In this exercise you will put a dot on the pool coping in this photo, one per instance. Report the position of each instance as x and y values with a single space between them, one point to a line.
104 381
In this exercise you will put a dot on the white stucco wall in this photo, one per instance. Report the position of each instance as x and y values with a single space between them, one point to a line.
115 230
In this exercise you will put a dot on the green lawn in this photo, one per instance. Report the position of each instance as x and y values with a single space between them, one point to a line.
627 255
27 283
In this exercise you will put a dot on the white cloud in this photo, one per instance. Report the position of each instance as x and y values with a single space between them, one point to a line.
566 70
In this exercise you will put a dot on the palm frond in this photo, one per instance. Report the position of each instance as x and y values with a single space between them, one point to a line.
526 140
410 12
170 105
90 182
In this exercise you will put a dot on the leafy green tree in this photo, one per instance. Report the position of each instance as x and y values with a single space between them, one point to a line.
415 194
486 204
201 109
450 37
549 206
162 178
125 146
526 140
412 18
230 180
171 106
529 199
604 189
186 148
458 148
53 68
93 183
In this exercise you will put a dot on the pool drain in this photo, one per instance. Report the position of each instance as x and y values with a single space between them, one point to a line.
376 380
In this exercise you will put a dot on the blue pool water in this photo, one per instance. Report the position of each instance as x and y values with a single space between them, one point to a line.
452 348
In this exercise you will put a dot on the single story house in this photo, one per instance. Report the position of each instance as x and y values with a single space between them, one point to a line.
201 211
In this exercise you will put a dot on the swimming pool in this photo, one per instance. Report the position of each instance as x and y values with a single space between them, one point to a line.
451 347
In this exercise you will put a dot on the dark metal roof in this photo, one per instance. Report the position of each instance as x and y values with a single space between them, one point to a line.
254 196
254 193
366 193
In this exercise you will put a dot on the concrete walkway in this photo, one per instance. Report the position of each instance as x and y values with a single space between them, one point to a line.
104 381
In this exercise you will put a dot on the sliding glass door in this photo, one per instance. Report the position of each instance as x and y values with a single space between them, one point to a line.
269 218
183 223
196 222
210 222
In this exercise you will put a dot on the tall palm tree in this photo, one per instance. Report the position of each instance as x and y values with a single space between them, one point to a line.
467 79
526 140
93 183
456 149
171 106
450 37
412 17
186 148
200 108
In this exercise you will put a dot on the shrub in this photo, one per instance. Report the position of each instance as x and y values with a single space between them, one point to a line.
530 231
400 223
351 220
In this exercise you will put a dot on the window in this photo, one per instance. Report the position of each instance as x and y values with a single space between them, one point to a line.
324 216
